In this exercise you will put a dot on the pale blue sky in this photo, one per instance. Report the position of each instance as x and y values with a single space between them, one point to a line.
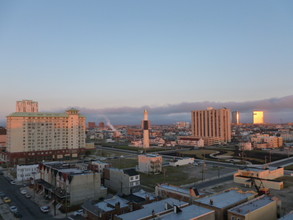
107 54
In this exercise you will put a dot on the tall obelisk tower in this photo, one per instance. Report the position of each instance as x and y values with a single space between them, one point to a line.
145 128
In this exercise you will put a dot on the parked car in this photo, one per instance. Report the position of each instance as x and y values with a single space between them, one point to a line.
13 208
12 182
17 215
23 191
6 199
28 196
2 194
45 209
78 212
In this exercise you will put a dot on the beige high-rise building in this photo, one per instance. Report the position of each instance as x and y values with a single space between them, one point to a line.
212 125
258 117
36 136
27 106
236 117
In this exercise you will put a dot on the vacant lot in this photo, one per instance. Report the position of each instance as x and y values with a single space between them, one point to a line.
122 163
200 154
171 175
184 175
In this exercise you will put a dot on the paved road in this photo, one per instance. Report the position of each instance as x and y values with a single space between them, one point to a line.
281 163
26 207
209 183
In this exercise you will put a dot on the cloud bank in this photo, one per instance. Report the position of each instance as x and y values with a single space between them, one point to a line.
277 110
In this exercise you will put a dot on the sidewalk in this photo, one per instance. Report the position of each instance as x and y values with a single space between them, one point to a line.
5 212
39 199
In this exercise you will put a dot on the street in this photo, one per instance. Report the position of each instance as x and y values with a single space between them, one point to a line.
28 209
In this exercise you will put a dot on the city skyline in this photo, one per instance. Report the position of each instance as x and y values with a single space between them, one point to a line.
277 110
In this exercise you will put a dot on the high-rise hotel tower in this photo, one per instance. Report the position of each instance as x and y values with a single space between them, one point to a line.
212 125
37 136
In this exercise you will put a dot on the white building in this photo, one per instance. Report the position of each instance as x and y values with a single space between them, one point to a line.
124 181
190 141
27 172
181 162
150 163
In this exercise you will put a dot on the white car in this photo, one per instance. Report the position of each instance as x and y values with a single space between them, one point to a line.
12 182
23 191
78 212
13 208
45 209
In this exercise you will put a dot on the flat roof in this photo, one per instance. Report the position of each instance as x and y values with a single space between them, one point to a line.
175 188
289 216
258 169
143 194
147 210
189 212
69 168
39 114
226 198
252 205
109 204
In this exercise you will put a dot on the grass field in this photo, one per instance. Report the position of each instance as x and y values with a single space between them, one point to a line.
198 153
122 163
173 175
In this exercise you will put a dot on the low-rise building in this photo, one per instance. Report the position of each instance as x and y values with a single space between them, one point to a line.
223 201
67 184
266 141
176 192
3 137
153 210
260 176
106 209
150 163
98 166
263 207
190 141
124 181
27 172
289 216
181 162
190 212
245 146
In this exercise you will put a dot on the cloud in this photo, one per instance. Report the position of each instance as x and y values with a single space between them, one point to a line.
276 110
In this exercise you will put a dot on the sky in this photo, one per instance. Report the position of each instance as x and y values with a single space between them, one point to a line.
105 56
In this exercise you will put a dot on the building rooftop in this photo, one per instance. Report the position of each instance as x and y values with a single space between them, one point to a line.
289 216
252 205
131 172
39 114
226 198
259 169
156 207
109 204
143 194
175 188
189 212
68 168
